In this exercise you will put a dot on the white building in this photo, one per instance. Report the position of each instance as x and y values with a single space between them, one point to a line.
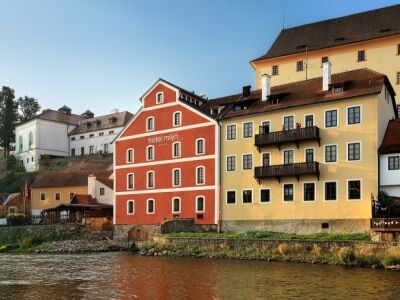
100 187
45 136
389 160
96 134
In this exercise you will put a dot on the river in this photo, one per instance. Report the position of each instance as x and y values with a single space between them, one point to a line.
129 276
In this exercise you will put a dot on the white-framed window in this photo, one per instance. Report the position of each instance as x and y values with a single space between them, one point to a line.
247 160
150 206
288 192
353 115
265 195
288 122
151 179
247 196
176 149
42 196
200 146
177 118
57 196
150 124
159 97
231 197
231 163
200 175
231 132
353 151
71 196
200 204
176 177
102 191
331 153
330 190
394 162
247 130
288 157
176 205
130 207
331 118
309 191
150 153
130 155
354 189
130 182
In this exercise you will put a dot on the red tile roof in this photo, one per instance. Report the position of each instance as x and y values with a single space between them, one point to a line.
58 116
391 141
61 179
83 200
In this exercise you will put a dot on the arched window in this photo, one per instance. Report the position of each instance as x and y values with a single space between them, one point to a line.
176 177
21 145
130 155
30 140
200 204
130 182
200 146
200 175
177 118
159 97
151 207
150 153
150 179
150 124
176 149
176 205
130 207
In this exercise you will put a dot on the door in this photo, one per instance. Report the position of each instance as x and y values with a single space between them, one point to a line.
288 123
265 159
309 155
265 127
309 121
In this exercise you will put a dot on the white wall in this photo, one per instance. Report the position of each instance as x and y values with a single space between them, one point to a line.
385 114
94 187
389 179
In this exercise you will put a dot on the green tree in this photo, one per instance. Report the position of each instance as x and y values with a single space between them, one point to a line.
28 107
8 119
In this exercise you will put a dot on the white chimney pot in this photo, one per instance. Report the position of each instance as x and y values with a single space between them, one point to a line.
265 86
326 75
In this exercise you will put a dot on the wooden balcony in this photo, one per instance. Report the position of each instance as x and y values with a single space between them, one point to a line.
385 224
286 136
278 171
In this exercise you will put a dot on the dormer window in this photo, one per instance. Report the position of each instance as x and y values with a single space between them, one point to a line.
336 89
361 55
275 70
159 98
150 124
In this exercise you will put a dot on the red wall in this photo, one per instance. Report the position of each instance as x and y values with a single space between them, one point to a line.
150 99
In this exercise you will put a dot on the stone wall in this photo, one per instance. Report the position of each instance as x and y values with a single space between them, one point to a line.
126 235
185 225
297 226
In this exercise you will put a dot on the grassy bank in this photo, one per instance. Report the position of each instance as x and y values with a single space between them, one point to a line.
23 239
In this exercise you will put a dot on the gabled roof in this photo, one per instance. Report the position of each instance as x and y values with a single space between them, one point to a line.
359 27
391 141
6 198
58 116
120 119
61 179
357 83
105 177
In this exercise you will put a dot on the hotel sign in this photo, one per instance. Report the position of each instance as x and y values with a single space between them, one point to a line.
163 138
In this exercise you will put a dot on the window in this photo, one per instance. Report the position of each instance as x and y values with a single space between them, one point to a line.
324 59
200 146
130 181
230 197
30 140
330 190
309 120
12 210
299 66
129 155
247 130
231 163
398 49
288 192
353 151
176 149
150 124
200 204
159 98
398 78
42 196
265 160
265 196
82 150
330 153
309 155
111 132
337 89
288 123
265 127
101 133
288 157
176 177
177 118
72 151
176 205
309 191
105 148
361 55
130 209
102 192
354 189
275 70
150 179
82 137
91 135
71 196
150 153
247 196
394 162
91 149
231 132
73 138
353 115
57 196
331 118
200 175
247 161
150 207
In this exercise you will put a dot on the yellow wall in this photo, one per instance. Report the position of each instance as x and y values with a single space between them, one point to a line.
366 169
39 205
381 56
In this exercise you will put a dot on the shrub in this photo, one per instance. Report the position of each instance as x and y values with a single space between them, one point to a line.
282 249
391 261
25 242
346 255
15 219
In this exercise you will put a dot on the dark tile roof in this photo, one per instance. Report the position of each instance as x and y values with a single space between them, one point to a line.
102 122
357 83
105 177
61 179
359 27
58 116
391 141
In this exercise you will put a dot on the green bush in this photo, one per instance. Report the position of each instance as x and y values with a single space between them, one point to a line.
25 242
391 261
15 219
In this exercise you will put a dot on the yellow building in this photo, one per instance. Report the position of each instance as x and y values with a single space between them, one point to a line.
365 40
302 157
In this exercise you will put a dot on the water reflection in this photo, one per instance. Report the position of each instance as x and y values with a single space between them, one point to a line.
128 276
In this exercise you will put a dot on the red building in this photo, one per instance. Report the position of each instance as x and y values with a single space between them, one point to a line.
166 160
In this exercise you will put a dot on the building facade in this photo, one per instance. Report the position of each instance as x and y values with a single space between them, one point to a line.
165 160
365 40
96 134
302 157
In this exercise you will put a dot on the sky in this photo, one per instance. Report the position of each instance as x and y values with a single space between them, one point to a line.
103 55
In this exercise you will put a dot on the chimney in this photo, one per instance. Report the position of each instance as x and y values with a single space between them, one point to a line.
265 86
246 90
326 75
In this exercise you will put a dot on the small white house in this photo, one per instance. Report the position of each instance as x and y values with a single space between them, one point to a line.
100 187
45 136
96 134
389 160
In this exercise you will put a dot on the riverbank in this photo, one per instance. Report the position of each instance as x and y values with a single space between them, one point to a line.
351 252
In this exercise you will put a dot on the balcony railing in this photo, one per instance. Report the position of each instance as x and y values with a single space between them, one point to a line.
286 136
385 224
278 171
